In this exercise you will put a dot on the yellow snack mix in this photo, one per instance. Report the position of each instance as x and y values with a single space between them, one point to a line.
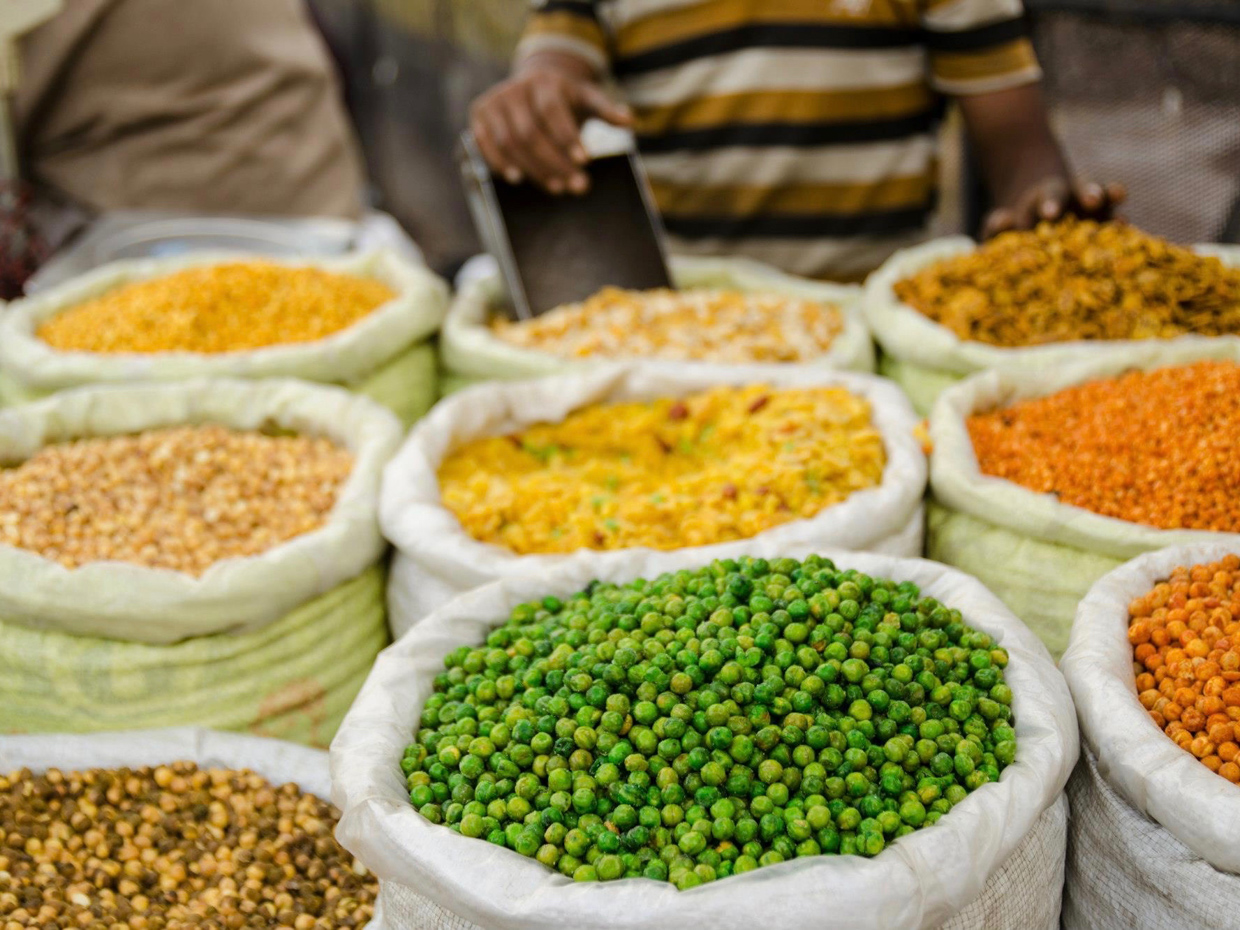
700 325
217 308
1076 280
180 498
724 464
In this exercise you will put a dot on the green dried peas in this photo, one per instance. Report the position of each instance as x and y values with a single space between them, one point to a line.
710 722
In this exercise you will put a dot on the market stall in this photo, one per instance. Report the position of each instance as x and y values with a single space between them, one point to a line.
734 593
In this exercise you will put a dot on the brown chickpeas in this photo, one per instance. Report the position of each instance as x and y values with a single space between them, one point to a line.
172 848
180 498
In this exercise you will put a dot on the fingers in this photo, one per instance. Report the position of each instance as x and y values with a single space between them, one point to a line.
1092 198
999 221
555 115
1096 201
1054 199
538 155
527 128
592 100
493 141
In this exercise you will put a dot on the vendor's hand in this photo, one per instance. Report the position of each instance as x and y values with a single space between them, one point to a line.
1053 199
529 127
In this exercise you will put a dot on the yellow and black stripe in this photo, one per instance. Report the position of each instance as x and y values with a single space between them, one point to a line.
793 125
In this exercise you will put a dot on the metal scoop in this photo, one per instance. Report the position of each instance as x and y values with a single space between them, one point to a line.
554 250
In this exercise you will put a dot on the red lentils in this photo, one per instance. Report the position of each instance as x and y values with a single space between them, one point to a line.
1185 635
1157 448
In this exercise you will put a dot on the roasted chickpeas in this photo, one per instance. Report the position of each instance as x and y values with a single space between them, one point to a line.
694 325
1185 635
720 465
1157 448
217 308
1074 280
172 847
181 498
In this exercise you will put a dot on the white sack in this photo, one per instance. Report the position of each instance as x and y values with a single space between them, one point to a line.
277 761
924 356
470 351
343 357
918 882
1151 773
1039 555
120 600
1125 872
437 559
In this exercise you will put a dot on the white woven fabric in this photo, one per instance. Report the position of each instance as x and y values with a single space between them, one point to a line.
277 761
1023 895
1125 872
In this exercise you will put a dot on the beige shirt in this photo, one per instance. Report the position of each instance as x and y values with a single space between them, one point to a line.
211 106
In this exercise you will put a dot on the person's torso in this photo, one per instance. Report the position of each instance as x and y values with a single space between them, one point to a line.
800 132
221 106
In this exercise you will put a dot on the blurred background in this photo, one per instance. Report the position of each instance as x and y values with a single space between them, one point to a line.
1146 92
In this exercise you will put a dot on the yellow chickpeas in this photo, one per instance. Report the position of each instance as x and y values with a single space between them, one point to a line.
721 465
217 308
180 498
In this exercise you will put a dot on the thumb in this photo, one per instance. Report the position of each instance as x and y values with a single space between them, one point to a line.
592 100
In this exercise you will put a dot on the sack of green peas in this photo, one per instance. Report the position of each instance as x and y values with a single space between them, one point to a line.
471 352
1039 555
989 856
1147 816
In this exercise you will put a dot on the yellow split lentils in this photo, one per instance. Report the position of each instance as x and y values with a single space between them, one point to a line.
217 308
1077 280
720 465
180 498
697 325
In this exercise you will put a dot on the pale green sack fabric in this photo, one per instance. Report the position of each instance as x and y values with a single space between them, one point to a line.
925 358
116 600
384 356
1040 556
293 679
471 354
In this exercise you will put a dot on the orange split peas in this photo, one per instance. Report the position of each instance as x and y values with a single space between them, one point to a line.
1185 635
1157 448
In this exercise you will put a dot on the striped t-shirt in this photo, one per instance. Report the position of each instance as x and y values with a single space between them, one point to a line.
797 132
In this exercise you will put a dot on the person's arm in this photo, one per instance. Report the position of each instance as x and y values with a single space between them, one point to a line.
1023 165
980 55
529 125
